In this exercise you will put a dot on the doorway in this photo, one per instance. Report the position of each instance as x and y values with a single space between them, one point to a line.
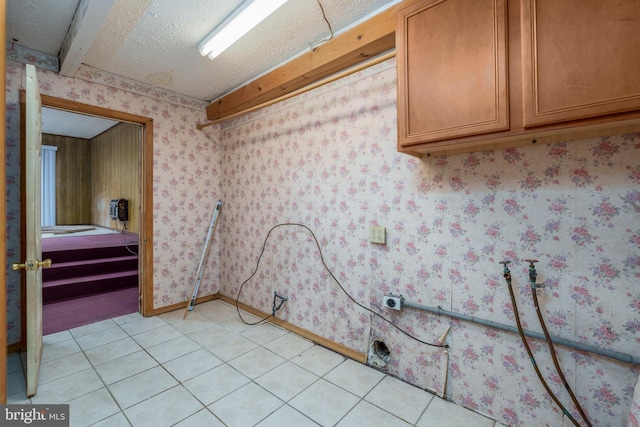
145 221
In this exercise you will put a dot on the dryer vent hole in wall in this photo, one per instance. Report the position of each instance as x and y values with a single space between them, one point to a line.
379 354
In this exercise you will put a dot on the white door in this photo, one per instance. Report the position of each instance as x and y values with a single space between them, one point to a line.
33 244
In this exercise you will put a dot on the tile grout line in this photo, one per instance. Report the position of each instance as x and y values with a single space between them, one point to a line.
251 380
161 365
132 332
102 380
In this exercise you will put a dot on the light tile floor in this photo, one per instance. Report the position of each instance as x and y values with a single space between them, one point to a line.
213 370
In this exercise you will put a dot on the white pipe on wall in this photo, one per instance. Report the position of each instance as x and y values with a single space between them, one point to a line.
532 334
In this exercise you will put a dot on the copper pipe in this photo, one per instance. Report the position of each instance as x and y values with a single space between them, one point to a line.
507 277
534 286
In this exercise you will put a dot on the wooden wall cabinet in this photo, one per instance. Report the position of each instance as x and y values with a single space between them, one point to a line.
452 59
484 74
581 59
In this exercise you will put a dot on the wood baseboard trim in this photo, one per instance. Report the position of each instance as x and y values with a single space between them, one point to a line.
320 340
324 342
183 305
14 348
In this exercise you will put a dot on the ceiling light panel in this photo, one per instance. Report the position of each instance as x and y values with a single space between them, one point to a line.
246 17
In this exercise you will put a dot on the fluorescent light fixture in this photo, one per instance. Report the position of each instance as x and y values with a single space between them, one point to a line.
247 16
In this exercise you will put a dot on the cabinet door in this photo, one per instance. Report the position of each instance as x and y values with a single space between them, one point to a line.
580 59
452 70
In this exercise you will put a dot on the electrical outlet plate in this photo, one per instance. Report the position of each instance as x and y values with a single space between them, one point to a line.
377 234
392 301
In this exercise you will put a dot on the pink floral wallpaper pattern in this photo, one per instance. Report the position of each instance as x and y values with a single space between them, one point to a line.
327 159
186 177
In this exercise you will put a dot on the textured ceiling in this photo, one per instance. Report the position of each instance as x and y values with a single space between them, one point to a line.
39 24
156 41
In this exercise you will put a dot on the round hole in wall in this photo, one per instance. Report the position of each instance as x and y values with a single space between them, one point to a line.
381 349
379 354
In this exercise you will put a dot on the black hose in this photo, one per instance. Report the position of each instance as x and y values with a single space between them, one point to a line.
532 280
381 317
507 277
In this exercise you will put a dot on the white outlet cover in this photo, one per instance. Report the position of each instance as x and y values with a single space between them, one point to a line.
377 234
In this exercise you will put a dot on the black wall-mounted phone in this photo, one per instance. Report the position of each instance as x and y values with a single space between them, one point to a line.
119 209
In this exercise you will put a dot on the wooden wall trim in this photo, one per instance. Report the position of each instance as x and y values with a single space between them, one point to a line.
146 221
146 186
318 339
183 305
23 221
14 348
3 208
92 110
332 78
371 38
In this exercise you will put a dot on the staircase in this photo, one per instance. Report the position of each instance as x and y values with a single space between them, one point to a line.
85 275
92 278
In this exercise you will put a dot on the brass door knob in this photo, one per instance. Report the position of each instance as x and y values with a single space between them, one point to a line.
15 266
31 265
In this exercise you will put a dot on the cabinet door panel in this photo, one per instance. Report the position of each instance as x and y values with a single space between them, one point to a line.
452 70
580 59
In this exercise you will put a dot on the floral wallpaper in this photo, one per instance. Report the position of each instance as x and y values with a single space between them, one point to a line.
186 177
327 159
18 53
634 412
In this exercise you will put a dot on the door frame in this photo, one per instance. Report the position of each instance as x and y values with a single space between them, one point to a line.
3 209
145 246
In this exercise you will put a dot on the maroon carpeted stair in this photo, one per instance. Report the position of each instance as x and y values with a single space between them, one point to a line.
71 313
88 279
89 267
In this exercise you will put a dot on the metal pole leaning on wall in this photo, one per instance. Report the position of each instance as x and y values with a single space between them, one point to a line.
205 251
627 358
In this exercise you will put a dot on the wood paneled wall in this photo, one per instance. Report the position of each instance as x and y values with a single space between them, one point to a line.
73 179
91 173
115 165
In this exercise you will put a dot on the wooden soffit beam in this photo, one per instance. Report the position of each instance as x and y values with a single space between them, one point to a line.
371 38
86 23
